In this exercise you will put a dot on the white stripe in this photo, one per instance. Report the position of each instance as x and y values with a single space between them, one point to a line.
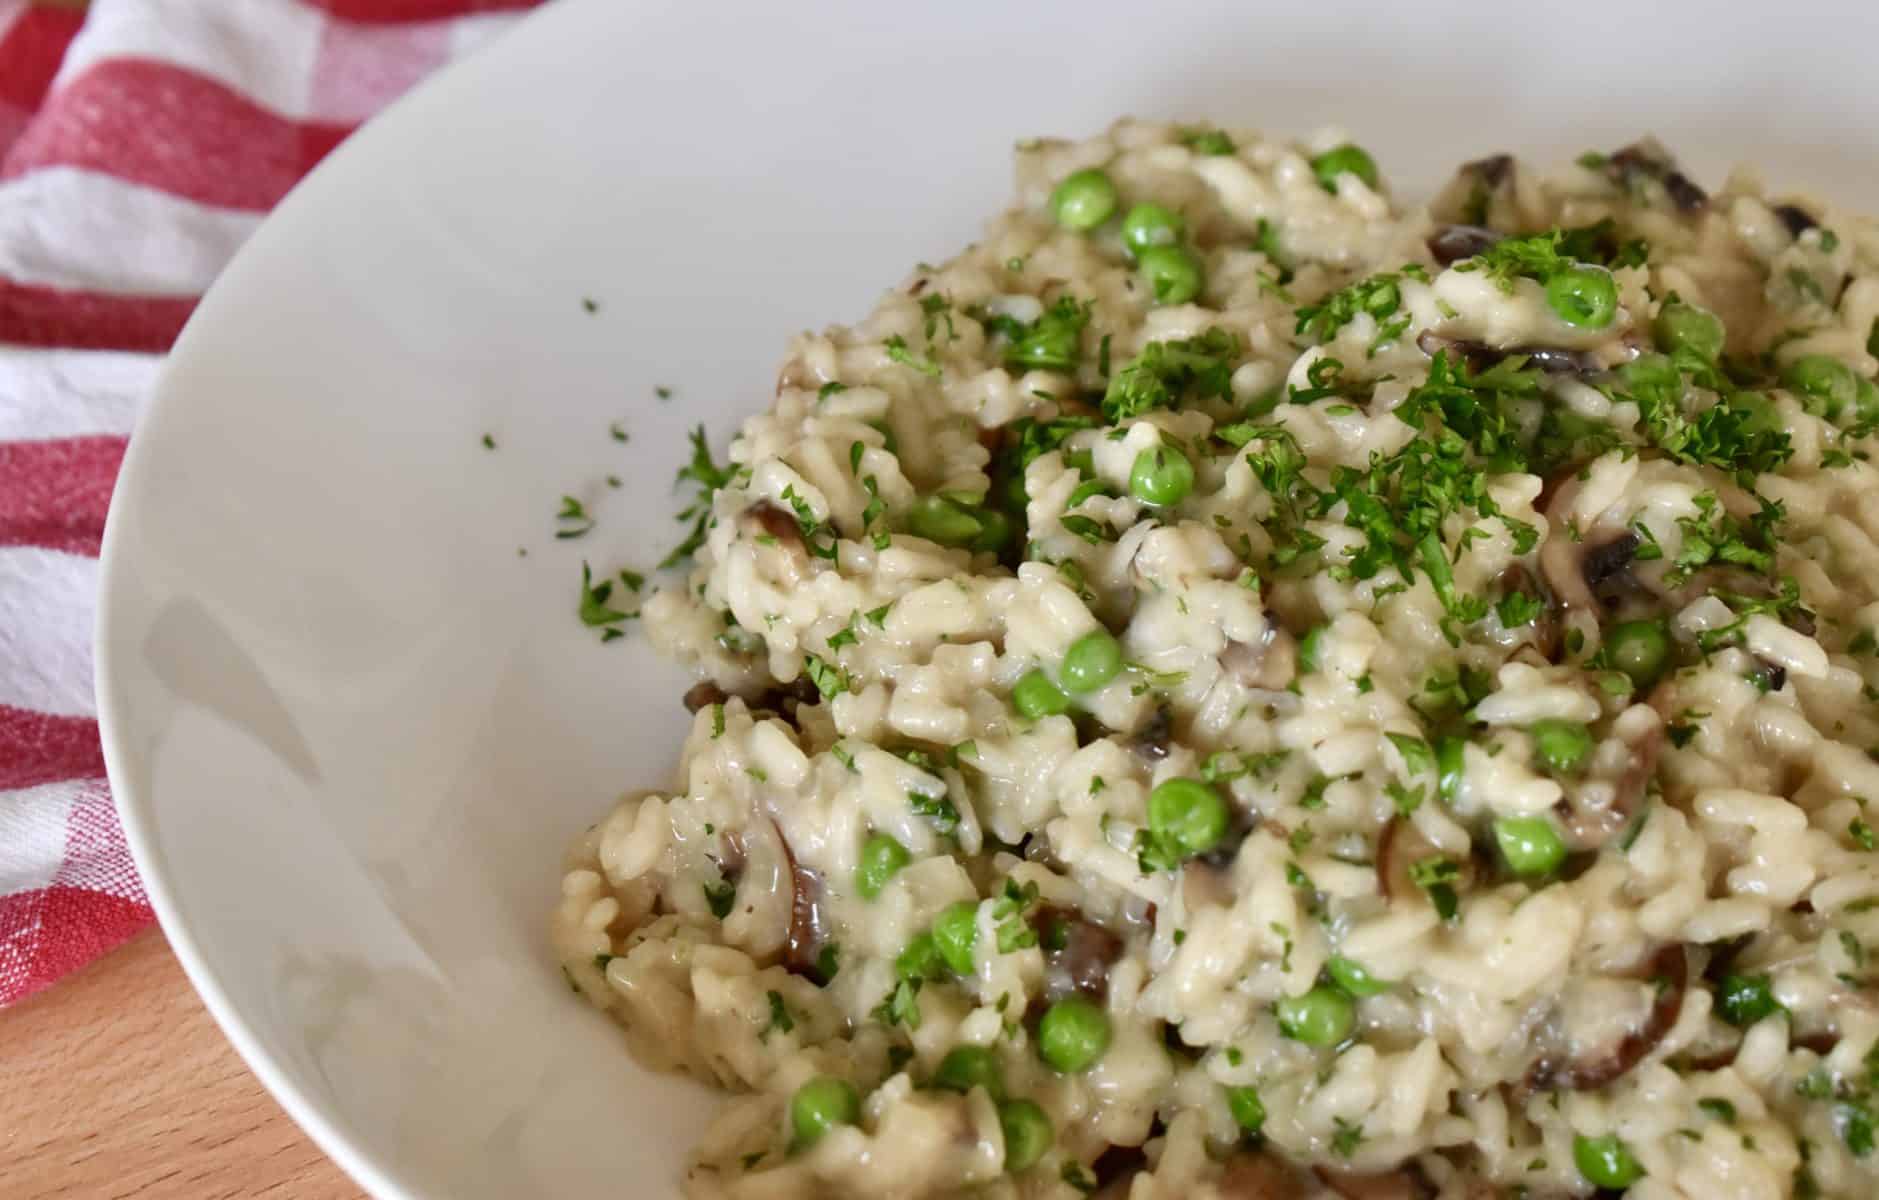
72 393
96 857
32 832
46 602
263 50
82 230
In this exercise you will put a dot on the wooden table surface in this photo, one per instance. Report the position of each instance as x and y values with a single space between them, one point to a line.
116 1083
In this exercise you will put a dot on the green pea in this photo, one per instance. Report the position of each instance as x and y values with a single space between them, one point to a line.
1324 1016
994 531
881 858
1035 696
1606 1162
1583 297
1640 649
1084 199
1450 763
1530 845
967 1067
1188 815
1090 662
1028 1133
1151 225
954 932
1346 159
920 959
1249 1112
1161 475
1866 399
946 521
1758 412
1681 326
1355 978
1172 273
1073 1035
1826 384
1563 746
819 1106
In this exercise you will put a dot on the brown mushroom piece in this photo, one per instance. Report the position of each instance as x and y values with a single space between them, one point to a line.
1517 580
1478 189
1795 219
1077 952
1115 1170
771 521
1266 665
1400 847
1257 1175
703 694
1668 971
1478 356
1648 161
1152 740
1587 827
808 928
1404 1183
1450 244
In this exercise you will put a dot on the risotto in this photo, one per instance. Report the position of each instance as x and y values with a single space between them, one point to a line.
1233 687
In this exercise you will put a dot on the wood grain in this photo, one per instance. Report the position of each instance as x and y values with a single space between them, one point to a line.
116 1083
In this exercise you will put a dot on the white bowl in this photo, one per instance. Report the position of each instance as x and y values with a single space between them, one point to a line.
351 730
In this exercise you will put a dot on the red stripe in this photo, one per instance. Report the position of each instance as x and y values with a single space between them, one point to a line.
58 930
174 130
380 12
31 51
31 315
38 748
54 493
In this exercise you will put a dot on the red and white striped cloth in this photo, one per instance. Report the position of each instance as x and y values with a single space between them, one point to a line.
141 141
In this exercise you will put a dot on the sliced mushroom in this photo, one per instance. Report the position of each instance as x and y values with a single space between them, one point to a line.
1400 847
808 927
1115 1170
1077 952
1471 197
1517 580
1795 219
1152 740
1479 356
1646 160
1256 1175
1641 729
1450 244
1669 971
771 521
1404 1183
1267 665
703 694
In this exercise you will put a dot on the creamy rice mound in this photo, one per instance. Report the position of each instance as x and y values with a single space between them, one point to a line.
1235 687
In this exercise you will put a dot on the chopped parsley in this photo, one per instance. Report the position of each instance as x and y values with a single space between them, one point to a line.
1165 373
1379 295
897 351
720 897
780 1020
1050 343
830 679
595 612
709 477
937 809
1437 876
573 519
